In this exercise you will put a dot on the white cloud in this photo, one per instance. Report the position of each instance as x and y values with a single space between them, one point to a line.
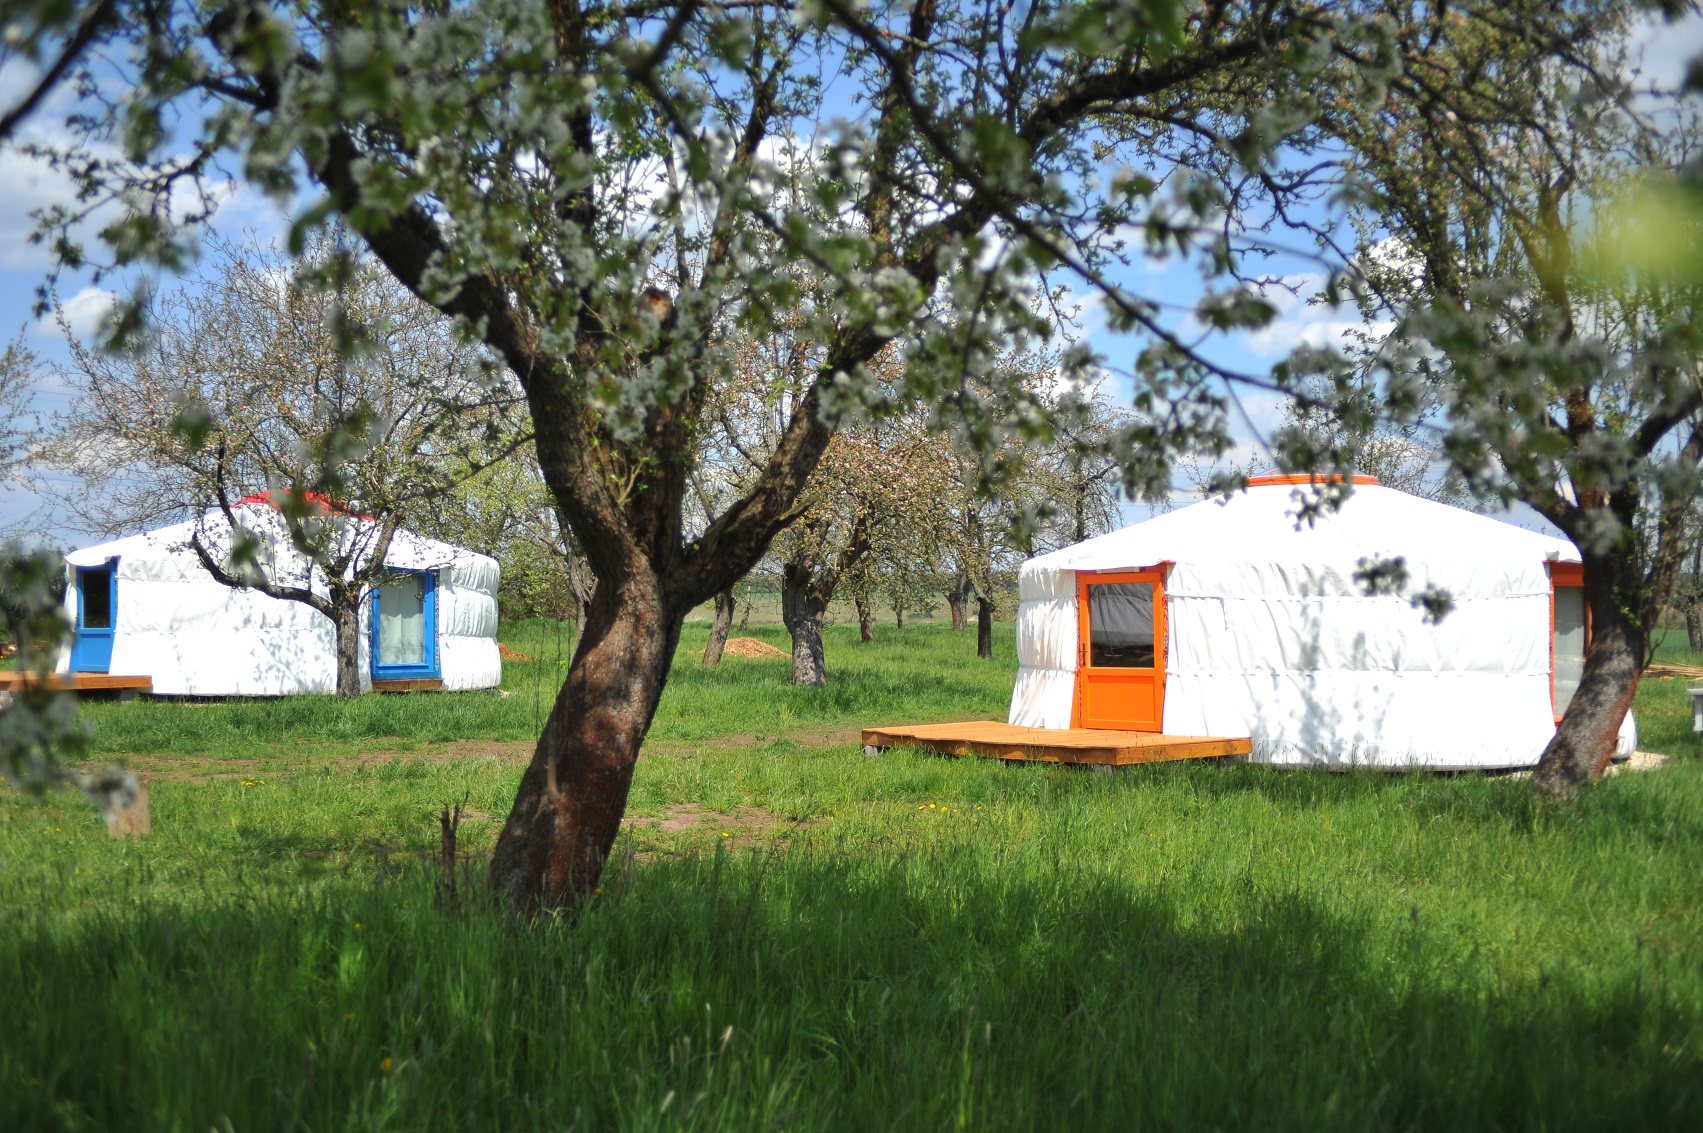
1300 321
85 313
1661 51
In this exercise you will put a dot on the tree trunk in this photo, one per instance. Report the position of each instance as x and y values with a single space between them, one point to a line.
718 628
568 809
745 616
898 615
865 618
346 621
955 602
1694 625
984 628
803 609
1584 742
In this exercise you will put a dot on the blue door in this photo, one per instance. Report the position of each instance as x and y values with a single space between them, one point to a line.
404 626
97 610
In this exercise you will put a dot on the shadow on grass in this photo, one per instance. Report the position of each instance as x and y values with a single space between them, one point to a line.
820 992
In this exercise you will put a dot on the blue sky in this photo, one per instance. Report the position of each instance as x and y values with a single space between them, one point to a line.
29 186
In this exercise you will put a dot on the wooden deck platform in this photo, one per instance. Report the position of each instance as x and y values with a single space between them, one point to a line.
125 686
409 684
1054 745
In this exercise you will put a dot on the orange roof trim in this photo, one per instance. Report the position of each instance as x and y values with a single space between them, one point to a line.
1271 478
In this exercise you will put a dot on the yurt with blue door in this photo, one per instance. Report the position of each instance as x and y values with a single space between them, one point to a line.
145 606
1230 618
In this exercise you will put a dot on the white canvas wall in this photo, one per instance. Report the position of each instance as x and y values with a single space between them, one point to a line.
1269 635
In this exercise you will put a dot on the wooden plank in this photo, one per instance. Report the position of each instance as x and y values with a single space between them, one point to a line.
409 684
77 682
996 740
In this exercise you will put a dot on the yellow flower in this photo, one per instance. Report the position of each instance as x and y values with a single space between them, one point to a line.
357 926
599 889
385 1064
725 834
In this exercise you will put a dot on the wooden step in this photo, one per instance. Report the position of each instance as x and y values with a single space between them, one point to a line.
14 679
409 684
995 740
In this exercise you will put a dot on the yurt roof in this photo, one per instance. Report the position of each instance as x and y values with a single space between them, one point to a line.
408 551
1259 525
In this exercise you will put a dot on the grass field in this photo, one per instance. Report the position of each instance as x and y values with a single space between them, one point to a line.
796 937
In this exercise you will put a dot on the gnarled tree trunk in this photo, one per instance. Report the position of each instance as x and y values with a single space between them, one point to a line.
865 618
956 597
719 627
807 586
1584 741
568 808
346 622
1694 626
803 610
984 628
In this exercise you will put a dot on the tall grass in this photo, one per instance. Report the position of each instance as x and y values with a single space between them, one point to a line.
849 943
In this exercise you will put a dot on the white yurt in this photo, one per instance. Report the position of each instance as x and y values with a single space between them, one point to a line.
145 606
1227 618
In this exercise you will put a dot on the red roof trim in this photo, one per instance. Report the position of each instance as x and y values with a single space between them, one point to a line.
321 502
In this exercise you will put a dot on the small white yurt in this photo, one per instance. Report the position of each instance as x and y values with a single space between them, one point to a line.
1225 618
145 606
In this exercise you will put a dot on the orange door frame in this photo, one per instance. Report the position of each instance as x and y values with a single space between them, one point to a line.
1569 575
1086 674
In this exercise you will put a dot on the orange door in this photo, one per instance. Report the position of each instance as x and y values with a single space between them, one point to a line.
1120 676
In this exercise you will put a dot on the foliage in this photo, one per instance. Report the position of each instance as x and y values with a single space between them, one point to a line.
504 510
255 379
610 198
349 407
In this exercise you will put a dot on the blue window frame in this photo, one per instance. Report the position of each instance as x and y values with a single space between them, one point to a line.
404 626
97 613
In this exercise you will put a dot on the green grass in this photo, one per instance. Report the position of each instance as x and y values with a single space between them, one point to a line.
922 672
897 943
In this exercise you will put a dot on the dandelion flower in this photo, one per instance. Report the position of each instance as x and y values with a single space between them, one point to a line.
725 834
599 889
357 926
385 1065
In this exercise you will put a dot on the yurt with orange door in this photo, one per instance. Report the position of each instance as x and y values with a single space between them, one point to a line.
1227 618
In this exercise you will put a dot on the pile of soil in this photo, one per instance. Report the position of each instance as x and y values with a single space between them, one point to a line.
508 654
750 647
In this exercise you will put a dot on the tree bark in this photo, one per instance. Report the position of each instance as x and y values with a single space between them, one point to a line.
1694 626
346 621
718 628
1584 741
955 602
745 615
568 808
984 628
898 615
865 618
803 609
